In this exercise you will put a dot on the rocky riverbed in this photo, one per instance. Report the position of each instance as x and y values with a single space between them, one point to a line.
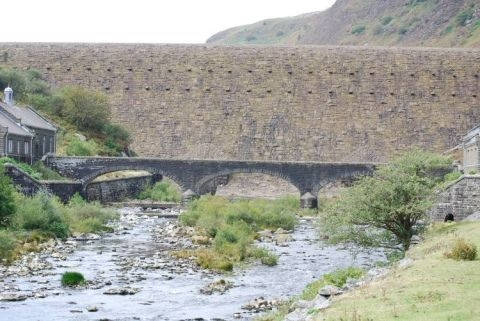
132 275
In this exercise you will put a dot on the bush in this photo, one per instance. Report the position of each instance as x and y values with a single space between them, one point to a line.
358 30
86 109
23 166
72 279
117 138
337 278
84 217
46 173
77 147
7 246
270 259
162 191
462 251
7 198
386 20
233 227
42 212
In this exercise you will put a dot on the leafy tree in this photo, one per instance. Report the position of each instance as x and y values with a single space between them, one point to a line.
86 109
388 208
7 198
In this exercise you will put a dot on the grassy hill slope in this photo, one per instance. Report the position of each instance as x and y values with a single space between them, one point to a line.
432 288
438 23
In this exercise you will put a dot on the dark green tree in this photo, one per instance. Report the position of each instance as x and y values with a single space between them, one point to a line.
388 208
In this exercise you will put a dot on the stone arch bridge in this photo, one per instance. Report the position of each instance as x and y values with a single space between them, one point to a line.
198 177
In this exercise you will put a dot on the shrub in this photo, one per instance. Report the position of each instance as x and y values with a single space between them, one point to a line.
7 198
386 20
358 30
162 191
464 16
23 166
46 173
462 251
84 217
41 212
337 278
7 246
86 109
72 279
233 227
117 138
77 147
270 259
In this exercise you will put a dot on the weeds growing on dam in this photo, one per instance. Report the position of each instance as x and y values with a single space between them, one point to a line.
232 227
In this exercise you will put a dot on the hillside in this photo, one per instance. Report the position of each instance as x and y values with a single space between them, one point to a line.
438 23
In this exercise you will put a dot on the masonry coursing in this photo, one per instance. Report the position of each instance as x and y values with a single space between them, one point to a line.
310 103
461 198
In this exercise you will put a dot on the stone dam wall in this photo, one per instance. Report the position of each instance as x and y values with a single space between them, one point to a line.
311 103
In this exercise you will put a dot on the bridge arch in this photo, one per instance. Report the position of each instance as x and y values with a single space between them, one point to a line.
152 170
204 185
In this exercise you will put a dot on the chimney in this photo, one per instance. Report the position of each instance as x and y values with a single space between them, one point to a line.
8 96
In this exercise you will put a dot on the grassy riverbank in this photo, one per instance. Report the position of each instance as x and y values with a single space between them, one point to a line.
229 228
27 222
433 288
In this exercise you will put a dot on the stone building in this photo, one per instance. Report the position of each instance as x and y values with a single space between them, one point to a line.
471 144
25 134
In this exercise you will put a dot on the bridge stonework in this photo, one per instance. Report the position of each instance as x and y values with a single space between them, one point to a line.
195 175
311 103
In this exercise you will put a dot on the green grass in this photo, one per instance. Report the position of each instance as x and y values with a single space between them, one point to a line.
232 226
433 288
37 170
337 278
163 191
72 279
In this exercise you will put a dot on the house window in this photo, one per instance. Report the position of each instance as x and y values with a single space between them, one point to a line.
27 148
18 148
10 146
51 144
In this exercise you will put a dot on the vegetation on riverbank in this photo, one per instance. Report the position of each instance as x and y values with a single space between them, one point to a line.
37 170
230 228
82 114
433 287
337 278
390 207
163 191
26 222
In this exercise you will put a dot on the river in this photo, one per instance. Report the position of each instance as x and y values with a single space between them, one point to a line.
136 256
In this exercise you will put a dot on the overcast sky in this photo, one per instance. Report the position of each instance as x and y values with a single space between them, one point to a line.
160 21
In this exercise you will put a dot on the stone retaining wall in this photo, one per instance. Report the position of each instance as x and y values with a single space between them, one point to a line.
104 191
114 190
461 198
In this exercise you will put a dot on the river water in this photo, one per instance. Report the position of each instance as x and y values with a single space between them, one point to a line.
137 256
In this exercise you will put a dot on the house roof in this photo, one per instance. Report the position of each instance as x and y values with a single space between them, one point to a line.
13 127
28 116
